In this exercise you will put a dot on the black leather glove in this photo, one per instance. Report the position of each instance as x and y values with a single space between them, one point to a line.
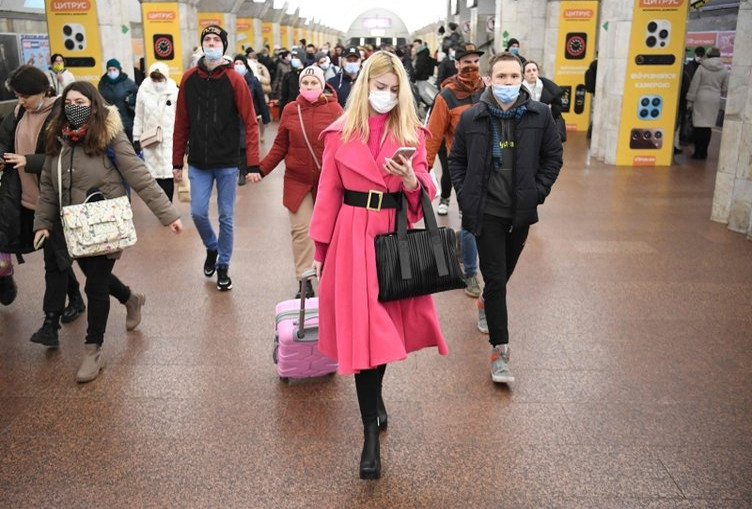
255 169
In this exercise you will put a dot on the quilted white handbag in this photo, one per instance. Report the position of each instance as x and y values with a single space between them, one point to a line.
96 228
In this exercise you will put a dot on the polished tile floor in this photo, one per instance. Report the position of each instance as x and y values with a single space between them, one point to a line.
631 323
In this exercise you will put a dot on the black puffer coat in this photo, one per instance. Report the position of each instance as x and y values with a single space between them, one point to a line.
538 159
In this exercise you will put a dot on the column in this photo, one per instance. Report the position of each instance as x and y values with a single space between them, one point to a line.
526 22
732 200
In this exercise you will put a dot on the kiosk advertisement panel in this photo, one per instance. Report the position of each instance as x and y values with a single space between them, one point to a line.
210 18
652 84
74 33
575 50
244 34
162 36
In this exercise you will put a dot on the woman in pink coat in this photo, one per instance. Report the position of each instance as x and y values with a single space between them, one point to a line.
359 188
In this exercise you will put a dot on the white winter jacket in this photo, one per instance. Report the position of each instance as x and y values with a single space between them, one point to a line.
704 95
155 108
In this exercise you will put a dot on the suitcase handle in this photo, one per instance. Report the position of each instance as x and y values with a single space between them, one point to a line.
304 277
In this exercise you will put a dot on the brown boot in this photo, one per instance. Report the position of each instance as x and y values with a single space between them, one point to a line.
133 310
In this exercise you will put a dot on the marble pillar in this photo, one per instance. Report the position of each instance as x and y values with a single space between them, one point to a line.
526 22
732 200
114 33
612 68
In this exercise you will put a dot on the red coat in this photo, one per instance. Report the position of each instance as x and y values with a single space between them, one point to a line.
354 327
301 172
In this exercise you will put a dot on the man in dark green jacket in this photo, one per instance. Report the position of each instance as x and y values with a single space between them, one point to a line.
505 157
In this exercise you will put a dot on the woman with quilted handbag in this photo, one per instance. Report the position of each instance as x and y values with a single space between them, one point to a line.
78 166
362 182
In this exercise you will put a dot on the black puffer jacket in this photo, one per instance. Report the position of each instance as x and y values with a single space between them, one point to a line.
538 159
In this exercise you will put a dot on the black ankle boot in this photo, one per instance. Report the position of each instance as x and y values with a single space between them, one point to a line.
370 459
381 410
74 308
47 334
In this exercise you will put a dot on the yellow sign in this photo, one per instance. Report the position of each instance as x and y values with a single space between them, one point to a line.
244 34
653 80
299 34
578 23
162 36
74 33
284 35
210 18
267 33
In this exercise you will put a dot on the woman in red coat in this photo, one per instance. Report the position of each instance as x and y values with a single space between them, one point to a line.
315 109
361 184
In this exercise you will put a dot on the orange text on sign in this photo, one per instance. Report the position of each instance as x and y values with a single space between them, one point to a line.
161 16
661 3
578 14
71 6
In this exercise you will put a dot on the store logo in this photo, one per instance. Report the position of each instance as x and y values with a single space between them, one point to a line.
242 26
644 161
161 16
578 14
661 3
71 6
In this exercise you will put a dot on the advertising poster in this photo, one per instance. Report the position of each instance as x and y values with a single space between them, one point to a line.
162 36
267 33
244 34
210 18
73 29
9 60
578 23
652 84
35 50
299 33
284 36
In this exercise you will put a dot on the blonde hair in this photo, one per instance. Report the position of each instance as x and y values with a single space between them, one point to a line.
403 122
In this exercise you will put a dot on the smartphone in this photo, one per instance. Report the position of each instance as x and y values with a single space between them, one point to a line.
655 59
566 94
406 152
74 37
650 107
579 99
164 47
646 138
575 45
658 33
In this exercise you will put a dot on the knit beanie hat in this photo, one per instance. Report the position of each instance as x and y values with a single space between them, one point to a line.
113 62
216 30
315 71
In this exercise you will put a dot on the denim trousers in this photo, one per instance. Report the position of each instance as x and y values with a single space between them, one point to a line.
202 182
469 253
499 249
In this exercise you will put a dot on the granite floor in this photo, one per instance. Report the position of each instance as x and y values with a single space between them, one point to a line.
631 324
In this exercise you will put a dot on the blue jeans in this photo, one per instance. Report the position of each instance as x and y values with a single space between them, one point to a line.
201 189
469 253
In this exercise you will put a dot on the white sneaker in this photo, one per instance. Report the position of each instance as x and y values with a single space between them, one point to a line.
92 364
443 208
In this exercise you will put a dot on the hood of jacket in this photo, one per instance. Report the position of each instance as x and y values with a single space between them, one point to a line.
112 124
714 64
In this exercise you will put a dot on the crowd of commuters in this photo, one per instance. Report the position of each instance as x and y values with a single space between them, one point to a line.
344 113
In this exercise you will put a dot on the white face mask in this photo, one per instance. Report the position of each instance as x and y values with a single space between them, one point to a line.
240 69
160 86
382 101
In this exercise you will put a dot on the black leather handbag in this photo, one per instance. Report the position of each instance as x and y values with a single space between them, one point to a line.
417 262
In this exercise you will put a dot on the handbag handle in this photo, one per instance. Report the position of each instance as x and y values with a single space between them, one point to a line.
305 137
60 182
433 230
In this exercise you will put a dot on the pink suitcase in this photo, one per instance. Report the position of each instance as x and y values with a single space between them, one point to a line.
296 351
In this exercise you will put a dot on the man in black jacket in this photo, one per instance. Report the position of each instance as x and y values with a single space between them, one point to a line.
213 102
505 157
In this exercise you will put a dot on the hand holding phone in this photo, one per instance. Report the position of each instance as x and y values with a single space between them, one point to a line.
406 152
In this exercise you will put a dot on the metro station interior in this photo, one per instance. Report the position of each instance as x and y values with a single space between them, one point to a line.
630 310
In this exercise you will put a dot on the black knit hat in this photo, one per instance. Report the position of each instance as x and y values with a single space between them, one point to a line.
216 30
28 80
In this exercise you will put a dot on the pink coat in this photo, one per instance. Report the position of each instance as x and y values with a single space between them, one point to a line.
354 327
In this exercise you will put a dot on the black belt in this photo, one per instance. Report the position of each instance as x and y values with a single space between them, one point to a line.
373 200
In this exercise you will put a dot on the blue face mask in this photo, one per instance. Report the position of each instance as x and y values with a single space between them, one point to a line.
240 69
296 63
352 67
213 54
514 51
506 93
113 75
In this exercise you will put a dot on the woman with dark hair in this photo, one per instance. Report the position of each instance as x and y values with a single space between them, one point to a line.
546 91
22 140
59 76
79 136
241 66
